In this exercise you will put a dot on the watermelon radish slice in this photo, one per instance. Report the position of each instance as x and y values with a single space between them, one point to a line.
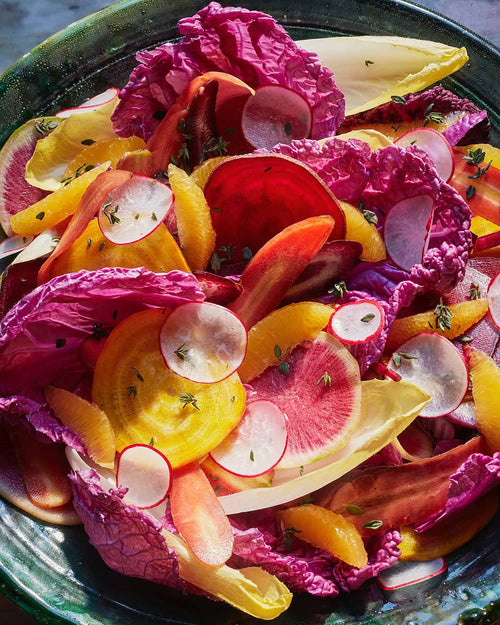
257 443
357 322
92 104
15 193
406 230
494 299
203 342
318 388
435 145
275 114
146 473
13 245
254 197
134 209
433 363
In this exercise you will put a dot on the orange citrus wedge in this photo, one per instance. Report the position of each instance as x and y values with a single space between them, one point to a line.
359 229
202 172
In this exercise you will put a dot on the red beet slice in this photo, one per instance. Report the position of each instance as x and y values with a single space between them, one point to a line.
254 197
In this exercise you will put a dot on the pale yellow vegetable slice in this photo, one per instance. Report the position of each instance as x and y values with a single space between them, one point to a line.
374 138
387 408
46 167
369 70
251 589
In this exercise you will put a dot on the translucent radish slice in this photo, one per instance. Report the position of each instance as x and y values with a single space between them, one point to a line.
92 104
494 299
357 322
433 363
406 230
436 146
274 115
257 444
203 342
13 245
146 473
401 580
134 210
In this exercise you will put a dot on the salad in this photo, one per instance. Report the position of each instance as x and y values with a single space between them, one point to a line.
249 334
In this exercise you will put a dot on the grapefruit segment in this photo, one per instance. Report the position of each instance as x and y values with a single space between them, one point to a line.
319 391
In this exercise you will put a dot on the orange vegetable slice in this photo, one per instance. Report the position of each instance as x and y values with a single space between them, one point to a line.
199 516
326 530
144 400
359 229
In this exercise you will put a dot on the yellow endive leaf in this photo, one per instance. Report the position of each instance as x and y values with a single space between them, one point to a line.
387 408
369 70
46 167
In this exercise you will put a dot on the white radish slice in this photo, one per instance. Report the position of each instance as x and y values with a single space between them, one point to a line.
134 209
14 244
91 104
435 144
257 444
400 579
406 230
146 473
203 342
434 364
493 296
357 322
275 114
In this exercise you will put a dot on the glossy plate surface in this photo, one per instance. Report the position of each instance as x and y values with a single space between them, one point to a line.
53 572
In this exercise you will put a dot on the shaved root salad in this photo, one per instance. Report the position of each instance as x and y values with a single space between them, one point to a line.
249 320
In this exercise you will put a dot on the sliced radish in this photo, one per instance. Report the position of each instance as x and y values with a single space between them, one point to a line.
435 144
406 230
14 244
400 579
275 114
91 104
357 322
146 473
433 363
134 210
258 442
494 299
203 342
465 414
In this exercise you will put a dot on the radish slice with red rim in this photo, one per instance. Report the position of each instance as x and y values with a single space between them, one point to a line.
357 322
146 473
435 145
203 342
493 296
134 209
257 444
92 104
406 230
275 114
404 580
433 363
13 244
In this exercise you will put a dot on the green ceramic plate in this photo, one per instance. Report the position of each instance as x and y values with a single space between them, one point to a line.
54 573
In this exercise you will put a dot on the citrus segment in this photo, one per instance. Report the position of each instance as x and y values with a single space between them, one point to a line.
104 150
326 530
157 252
86 420
146 401
485 378
54 208
462 316
194 224
359 229
285 327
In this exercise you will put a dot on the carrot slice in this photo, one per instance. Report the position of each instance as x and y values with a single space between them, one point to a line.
199 516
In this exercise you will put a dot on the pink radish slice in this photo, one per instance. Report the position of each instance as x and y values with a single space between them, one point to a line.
494 299
406 230
146 473
203 342
433 363
357 322
92 104
274 115
257 444
402 579
465 414
435 144
134 210
13 245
